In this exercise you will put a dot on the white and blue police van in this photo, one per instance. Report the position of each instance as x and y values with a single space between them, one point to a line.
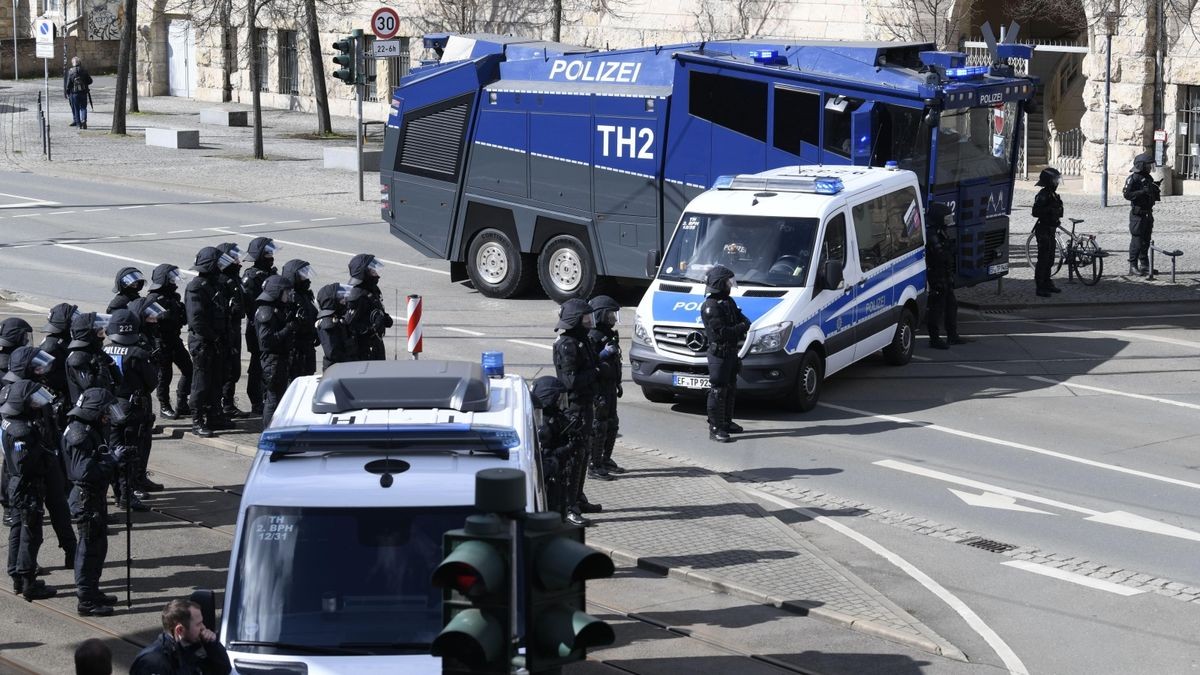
830 269
341 521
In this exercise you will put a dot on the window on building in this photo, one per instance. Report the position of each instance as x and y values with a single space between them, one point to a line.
51 7
887 227
734 103
838 115
264 58
289 63
797 119
370 68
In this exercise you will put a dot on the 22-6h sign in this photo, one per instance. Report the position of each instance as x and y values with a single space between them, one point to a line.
385 23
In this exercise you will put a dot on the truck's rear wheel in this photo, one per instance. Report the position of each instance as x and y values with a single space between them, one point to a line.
566 269
496 267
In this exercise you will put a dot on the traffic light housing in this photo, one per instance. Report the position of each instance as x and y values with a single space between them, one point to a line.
345 60
476 578
557 564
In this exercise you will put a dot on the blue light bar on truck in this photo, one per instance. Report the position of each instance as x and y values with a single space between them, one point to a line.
383 438
966 72
821 185
768 57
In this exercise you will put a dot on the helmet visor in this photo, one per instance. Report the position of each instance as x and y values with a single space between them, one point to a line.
374 266
40 397
42 362
132 278
307 273
100 322
152 312
270 249
173 277
343 293
116 413
226 261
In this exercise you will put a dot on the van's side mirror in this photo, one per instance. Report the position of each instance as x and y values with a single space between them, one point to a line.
831 275
652 261
208 607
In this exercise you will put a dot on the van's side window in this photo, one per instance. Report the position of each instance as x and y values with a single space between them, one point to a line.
888 227
834 246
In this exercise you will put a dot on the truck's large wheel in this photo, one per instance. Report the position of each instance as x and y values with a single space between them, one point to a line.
566 269
496 267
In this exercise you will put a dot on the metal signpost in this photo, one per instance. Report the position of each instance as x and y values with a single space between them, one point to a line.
44 34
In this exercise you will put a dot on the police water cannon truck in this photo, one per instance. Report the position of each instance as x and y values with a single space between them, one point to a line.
517 159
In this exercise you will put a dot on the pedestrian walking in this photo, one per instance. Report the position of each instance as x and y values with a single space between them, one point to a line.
139 378
185 647
724 327
128 287
276 329
941 305
555 429
25 446
1048 209
171 354
304 308
88 365
369 320
606 344
262 253
1142 191
237 306
333 328
208 325
575 365
76 85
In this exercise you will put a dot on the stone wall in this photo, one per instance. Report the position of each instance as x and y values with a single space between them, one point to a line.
99 57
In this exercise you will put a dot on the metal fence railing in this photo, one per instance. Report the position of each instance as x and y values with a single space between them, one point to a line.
1067 154
22 127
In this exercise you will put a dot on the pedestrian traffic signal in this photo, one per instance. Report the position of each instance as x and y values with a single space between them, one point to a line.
345 59
557 565
476 577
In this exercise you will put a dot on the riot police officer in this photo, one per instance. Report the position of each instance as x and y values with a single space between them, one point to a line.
208 328
333 330
90 468
88 365
237 305
128 286
14 333
25 456
276 337
575 365
262 252
304 308
55 343
942 306
139 377
369 321
1142 192
554 436
164 287
724 327
149 315
1048 209
607 345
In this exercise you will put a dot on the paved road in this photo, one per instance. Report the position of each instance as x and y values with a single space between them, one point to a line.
1070 437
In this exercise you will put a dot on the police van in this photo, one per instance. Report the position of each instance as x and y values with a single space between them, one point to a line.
340 526
830 269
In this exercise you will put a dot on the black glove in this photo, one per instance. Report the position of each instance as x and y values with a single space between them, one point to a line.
620 390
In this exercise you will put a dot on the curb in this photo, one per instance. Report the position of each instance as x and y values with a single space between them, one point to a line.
967 304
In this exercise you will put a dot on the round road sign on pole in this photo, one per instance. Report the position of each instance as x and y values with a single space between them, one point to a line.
385 23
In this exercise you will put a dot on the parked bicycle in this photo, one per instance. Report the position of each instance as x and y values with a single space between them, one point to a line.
1080 252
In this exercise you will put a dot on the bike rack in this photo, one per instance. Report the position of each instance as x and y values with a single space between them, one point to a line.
1172 254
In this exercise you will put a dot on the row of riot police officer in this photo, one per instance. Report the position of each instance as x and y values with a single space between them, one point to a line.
577 434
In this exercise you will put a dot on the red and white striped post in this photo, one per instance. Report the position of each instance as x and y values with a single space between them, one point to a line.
414 326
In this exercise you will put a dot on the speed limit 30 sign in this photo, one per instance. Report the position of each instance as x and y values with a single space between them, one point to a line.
385 23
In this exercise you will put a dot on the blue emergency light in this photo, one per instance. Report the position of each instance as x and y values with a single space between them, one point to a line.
493 364
828 186
821 185
966 72
722 182
769 57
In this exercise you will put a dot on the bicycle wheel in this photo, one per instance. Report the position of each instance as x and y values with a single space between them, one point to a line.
1060 254
1089 262
1031 251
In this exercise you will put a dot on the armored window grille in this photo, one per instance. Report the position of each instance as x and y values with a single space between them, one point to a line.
289 63
263 55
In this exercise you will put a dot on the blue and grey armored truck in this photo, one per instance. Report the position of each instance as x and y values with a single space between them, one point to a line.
517 159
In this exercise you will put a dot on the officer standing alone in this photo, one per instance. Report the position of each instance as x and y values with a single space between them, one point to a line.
942 309
606 312
208 326
724 327
275 334
575 366
1048 209
1142 192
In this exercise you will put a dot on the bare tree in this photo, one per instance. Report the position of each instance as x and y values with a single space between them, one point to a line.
717 19
481 16
316 59
919 21
128 36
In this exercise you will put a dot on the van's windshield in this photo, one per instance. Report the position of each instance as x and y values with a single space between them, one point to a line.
339 580
761 250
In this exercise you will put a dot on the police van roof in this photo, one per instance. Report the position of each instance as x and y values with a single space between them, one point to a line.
790 191
459 385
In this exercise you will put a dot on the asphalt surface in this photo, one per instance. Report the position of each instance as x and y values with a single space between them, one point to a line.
1074 430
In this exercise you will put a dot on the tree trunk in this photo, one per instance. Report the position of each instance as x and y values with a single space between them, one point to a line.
127 37
324 125
255 84
133 92
556 17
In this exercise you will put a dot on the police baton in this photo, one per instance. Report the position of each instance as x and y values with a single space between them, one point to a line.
128 530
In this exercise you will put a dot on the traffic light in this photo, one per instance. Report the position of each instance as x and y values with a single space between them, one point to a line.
557 563
476 576
345 59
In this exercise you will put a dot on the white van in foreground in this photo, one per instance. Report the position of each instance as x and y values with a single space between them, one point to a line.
341 521
830 268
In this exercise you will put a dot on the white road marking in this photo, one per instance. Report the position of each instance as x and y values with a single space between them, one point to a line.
254 225
1016 446
464 331
345 253
178 231
980 369
144 234
128 208
60 213
1063 575
921 358
1006 654
30 307
532 344
95 210
117 257
318 220
1114 392
27 215
285 222
1133 335
28 202
991 500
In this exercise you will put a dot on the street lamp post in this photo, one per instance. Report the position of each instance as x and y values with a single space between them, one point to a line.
1110 27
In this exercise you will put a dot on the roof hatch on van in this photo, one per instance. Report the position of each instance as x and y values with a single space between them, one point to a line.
377 385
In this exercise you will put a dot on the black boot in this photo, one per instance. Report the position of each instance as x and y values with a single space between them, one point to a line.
100 598
183 409
587 507
165 409
612 466
734 428
939 343
36 589
146 485
134 504
200 426
575 518
718 434
599 472
90 608
18 585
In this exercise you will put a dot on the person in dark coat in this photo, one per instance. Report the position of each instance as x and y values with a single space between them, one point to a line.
76 85
1142 192
369 320
262 252
56 343
724 327
575 366
276 337
185 647
88 365
25 450
333 330
1048 209
128 286
555 431
164 286
14 333
606 343
237 306
91 468
139 377
208 332
942 306
304 308
149 314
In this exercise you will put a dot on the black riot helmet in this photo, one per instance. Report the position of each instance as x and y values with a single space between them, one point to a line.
58 321
300 273
573 313
92 404
129 279
275 289
262 251
23 397
87 329
124 328
1049 177
605 311
1143 163
28 363
547 391
364 267
718 280
208 260
231 258
147 309
332 299
14 332
165 276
